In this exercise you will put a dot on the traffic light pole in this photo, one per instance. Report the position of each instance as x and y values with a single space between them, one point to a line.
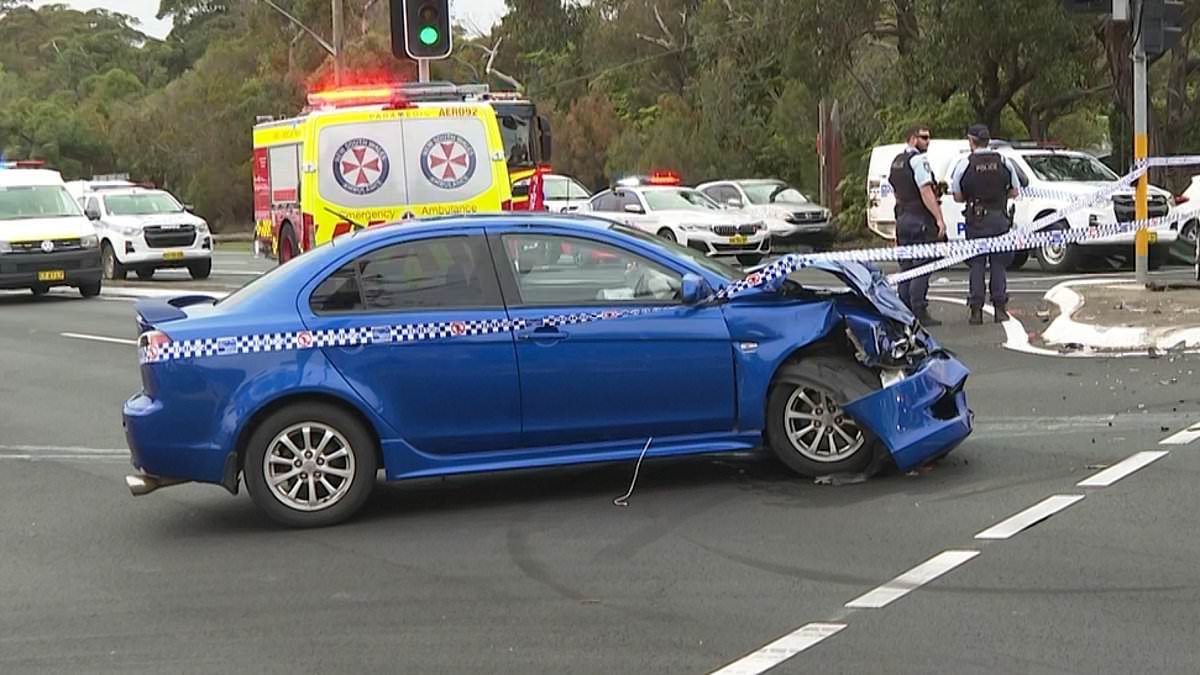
1141 148
422 70
339 43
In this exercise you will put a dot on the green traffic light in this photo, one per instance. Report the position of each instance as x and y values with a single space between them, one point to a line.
428 36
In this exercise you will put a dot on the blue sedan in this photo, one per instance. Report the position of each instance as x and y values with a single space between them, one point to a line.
485 343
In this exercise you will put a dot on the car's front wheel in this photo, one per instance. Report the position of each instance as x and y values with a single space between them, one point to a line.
749 259
310 465
113 269
667 234
200 270
807 427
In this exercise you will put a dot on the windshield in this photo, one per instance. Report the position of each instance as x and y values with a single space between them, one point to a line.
36 201
679 198
771 193
716 267
142 204
1075 168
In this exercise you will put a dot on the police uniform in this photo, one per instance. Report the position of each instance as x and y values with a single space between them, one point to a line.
984 178
914 223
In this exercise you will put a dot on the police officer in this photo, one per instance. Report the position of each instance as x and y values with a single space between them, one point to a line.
985 180
918 215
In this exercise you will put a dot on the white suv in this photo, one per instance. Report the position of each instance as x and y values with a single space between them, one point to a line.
144 230
687 216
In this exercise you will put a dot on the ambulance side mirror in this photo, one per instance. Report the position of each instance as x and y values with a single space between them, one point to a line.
546 137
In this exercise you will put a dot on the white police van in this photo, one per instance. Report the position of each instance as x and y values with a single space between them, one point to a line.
45 240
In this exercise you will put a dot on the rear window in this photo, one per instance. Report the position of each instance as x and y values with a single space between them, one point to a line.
36 201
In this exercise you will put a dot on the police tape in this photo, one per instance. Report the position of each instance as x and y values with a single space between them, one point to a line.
952 253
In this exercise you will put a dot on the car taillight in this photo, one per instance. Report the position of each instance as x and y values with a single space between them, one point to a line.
1182 199
309 235
151 345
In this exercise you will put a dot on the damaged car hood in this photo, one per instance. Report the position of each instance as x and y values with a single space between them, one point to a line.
866 281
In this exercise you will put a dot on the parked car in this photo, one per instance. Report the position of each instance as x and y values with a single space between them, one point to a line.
440 348
1186 246
793 219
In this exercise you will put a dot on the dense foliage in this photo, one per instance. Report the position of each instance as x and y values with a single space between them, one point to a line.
710 88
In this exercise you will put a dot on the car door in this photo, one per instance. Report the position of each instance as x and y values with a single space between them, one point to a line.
641 219
668 372
454 394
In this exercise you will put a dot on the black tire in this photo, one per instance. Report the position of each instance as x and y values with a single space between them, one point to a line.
39 290
287 244
1019 260
362 446
749 259
1070 260
667 234
843 380
90 289
145 274
113 269
200 270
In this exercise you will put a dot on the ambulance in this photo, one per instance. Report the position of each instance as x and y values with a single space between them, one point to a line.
364 156
45 240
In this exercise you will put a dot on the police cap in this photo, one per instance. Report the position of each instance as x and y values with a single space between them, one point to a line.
979 132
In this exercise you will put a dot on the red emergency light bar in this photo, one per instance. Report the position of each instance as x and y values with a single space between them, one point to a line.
23 164
664 178
352 96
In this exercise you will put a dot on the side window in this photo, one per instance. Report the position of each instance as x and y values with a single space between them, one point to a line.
605 201
727 194
586 272
577 191
626 198
440 273
555 188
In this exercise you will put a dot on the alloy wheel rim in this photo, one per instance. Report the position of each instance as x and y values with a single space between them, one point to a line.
309 466
818 428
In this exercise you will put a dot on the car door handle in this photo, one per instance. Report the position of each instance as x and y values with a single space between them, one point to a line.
543 333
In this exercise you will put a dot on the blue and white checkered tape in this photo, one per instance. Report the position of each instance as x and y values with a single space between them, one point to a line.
952 253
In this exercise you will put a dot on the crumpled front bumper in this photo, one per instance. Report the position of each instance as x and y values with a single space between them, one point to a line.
923 416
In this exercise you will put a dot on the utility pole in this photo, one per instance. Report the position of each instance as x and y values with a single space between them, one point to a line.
339 43
1141 150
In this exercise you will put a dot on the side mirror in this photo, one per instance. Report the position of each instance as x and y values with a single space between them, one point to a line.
734 202
571 207
92 214
634 208
189 208
694 289
546 137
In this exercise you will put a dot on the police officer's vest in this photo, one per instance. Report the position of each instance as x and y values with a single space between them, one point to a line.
904 184
986 181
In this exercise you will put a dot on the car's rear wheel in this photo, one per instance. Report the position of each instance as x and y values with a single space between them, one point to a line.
113 269
287 244
1019 260
200 270
310 465
807 427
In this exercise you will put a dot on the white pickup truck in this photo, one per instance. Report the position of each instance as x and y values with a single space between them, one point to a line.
1060 176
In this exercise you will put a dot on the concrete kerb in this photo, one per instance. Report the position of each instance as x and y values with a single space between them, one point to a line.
1065 332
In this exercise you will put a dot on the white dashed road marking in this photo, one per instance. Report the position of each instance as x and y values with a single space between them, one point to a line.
911 580
781 650
1123 468
99 338
1029 517
1182 437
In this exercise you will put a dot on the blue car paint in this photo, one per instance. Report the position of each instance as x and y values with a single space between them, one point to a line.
192 411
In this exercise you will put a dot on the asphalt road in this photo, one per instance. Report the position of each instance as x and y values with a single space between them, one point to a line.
538 572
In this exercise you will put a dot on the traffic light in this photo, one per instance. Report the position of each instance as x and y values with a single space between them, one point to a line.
421 29
1162 25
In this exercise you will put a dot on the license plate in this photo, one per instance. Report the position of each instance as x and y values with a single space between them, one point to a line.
1153 236
173 255
52 275
737 239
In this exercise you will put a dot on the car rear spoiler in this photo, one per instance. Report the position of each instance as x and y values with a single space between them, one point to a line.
154 311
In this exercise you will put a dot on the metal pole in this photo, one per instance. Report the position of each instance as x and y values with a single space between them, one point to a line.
423 70
1141 150
339 43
